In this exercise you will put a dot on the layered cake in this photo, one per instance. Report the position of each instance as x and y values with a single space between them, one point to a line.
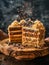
15 32
34 36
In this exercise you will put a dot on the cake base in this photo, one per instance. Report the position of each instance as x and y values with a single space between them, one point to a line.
18 51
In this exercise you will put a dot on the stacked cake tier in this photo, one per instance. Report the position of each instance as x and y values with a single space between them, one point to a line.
15 32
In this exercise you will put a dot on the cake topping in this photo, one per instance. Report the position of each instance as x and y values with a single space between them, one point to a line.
15 23
38 25
22 22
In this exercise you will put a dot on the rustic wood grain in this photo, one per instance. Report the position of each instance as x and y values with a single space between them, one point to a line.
22 53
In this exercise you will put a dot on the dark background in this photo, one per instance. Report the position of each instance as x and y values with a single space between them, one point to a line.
35 9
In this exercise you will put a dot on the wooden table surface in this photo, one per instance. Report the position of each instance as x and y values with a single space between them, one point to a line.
22 53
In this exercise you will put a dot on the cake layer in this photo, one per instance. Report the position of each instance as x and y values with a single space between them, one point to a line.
15 32
26 29
15 36
15 41
30 34
15 28
30 39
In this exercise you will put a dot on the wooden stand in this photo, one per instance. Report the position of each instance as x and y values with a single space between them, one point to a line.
21 52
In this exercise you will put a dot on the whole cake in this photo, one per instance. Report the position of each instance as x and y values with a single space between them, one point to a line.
34 35
15 32
30 35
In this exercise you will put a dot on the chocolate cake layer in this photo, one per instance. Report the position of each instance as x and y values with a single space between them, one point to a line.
15 32
15 28
15 36
26 29
15 41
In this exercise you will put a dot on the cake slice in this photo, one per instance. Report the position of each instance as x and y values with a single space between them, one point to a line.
15 32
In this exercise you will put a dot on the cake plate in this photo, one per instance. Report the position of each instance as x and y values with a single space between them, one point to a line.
18 51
